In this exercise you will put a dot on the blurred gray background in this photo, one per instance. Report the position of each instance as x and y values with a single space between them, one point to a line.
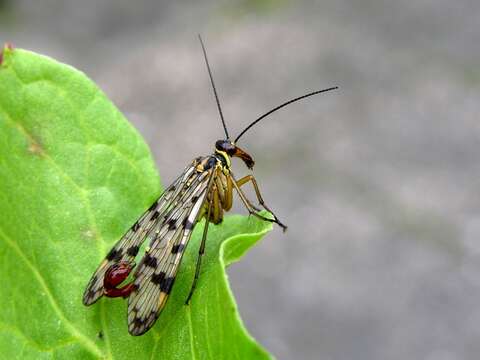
378 181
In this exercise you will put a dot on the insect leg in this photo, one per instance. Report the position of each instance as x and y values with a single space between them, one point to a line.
224 187
251 178
217 211
251 208
201 251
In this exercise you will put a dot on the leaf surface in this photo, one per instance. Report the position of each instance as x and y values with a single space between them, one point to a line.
74 175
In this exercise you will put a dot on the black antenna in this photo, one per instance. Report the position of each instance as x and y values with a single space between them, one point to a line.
213 85
281 106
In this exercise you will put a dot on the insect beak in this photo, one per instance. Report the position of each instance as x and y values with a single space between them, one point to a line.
247 159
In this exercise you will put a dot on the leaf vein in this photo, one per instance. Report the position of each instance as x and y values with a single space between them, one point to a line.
89 345
190 329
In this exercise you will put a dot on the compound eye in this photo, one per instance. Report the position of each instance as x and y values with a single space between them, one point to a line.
225 146
219 145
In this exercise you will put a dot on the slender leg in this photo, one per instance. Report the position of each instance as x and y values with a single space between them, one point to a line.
242 182
201 251
251 208
252 179
217 212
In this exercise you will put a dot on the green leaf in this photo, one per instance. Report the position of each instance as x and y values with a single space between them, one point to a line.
74 175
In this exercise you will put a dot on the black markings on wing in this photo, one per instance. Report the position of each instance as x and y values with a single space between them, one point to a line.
128 246
153 285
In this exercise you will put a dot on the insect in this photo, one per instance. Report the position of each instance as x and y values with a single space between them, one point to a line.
204 189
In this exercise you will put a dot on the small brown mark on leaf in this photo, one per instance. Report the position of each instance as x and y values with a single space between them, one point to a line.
8 46
35 147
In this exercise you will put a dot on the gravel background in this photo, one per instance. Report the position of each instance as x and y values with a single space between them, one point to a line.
378 181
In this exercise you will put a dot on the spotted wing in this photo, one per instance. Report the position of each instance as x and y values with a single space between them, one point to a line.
127 247
156 272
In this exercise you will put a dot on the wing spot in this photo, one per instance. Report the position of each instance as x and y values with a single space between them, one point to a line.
188 225
172 224
133 250
157 279
150 261
114 254
167 284
153 206
177 248
138 322
90 295
119 255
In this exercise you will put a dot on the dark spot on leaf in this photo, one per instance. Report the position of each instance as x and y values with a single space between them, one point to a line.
7 45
